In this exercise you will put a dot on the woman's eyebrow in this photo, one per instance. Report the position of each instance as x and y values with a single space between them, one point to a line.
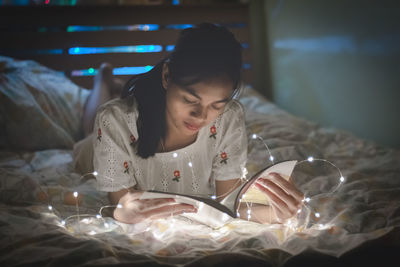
226 100
193 93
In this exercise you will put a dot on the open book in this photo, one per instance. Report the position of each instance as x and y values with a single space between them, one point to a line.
216 214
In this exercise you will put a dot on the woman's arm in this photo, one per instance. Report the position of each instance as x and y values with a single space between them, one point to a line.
114 197
223 188
134 210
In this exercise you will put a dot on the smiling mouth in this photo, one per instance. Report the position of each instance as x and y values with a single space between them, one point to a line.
191 127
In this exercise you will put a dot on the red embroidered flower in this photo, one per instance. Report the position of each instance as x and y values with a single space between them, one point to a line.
177 175
126 166
133 139
213 131
224 158
99 134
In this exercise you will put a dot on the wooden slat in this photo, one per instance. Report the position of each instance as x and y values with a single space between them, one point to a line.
73 62
247 76
87 81
63 16
76 62
120 15
65 40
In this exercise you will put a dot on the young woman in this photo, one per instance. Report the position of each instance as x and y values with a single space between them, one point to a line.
178 129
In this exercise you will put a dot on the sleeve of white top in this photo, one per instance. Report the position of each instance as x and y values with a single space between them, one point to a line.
231 152
111 159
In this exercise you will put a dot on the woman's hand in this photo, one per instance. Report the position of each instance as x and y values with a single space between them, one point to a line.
285 199
135 210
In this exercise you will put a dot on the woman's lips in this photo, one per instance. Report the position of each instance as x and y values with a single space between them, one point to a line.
191 126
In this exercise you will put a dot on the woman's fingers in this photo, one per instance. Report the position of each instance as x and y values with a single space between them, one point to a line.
168 210
274 199
148 204
278 193
287 186
167 214
281 209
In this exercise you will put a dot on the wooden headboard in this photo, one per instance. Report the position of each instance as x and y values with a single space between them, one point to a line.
44 34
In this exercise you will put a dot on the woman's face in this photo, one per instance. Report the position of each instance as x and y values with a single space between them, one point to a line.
189 108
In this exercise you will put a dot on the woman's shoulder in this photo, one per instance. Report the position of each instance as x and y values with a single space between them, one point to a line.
235 106
119 114
233 111
117 107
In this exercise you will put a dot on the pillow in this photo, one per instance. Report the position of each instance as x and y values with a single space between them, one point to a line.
40 108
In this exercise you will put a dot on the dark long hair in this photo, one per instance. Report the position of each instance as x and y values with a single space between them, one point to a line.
204 52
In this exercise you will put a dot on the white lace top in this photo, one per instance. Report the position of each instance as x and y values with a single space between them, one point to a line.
219 153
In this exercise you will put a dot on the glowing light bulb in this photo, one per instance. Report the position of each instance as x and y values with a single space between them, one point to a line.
175 155
106 225
307 199
50 207
310 159
213 197
190 164
119 206
62 222
95 173
98 216
341 179
75 194
254 136
299 210
271 158
317 215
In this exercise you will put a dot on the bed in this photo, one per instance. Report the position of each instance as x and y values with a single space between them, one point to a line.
359 221
41 105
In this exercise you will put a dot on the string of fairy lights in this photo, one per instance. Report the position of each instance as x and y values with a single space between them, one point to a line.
99 215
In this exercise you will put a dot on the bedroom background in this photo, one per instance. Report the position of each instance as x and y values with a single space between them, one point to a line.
329 63
332 62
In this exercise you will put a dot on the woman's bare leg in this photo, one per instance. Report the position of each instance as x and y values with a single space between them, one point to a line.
105 88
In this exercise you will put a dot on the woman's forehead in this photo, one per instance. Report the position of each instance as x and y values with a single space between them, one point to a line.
213 88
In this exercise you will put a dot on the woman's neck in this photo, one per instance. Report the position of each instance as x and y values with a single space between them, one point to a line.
173 142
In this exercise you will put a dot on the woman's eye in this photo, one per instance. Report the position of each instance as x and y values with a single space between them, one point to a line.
218 107
188 101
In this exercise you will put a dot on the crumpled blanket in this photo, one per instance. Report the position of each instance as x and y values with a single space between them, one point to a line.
362 209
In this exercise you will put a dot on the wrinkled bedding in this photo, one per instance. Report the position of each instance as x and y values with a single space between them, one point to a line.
366 207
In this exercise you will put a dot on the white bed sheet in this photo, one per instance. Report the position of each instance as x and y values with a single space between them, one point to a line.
365 207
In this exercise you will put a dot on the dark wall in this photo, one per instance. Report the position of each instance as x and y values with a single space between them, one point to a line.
337 62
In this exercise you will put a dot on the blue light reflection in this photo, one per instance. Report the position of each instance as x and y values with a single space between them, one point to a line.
115 49
116 71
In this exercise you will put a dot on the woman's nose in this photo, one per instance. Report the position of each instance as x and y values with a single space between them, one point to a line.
200 113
